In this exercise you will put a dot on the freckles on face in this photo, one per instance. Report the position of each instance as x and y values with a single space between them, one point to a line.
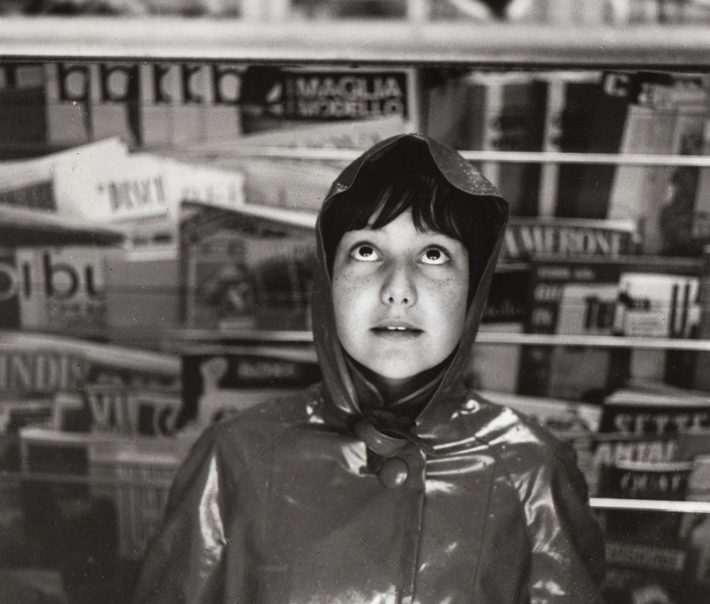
400 297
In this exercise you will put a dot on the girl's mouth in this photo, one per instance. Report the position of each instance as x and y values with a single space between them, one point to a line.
396 332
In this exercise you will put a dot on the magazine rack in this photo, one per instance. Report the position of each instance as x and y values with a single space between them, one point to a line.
402 44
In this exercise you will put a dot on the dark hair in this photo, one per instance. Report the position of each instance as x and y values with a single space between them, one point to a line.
382 191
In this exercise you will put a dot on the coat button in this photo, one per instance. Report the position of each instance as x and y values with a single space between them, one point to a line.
394 472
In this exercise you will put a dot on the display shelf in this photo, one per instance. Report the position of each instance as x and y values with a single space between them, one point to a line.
647 343
607 503
20 226
80 479
522 157
650 505
200 336
93 352
174 340
600 503
504 45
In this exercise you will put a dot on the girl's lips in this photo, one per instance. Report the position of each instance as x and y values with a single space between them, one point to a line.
396 332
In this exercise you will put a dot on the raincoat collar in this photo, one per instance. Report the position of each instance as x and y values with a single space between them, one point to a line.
341 393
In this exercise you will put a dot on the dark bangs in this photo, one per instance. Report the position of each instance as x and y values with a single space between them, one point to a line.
432 202
378 197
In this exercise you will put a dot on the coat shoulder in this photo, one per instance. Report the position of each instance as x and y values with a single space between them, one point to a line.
245 434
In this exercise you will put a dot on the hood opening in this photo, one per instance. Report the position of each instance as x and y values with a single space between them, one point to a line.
446 194
408 178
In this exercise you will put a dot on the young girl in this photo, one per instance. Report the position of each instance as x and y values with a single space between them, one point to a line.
389 481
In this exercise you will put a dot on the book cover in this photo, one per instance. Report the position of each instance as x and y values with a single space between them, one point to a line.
187 103
618 91
571 102
114 101
247 268
26 227
23 117
646 554
615 90
67 527
28 183
656 305
577 127
141 194
278 96
219 381
353 135
445 106
528 236
159 90
91 387
645 412
676 218
222 115
638 456
659 305
105 511
663 116
287 184
495 366
135 475
296 182
62 288
581 296
702 362
505 303
611 448
188 106
578 296
142 295
68 103
700 222
133 188
506 113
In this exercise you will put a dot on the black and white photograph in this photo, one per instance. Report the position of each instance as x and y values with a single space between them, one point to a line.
354 302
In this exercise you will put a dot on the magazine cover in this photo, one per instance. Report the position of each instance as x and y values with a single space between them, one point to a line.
648 554
23 116
29 183
567 237
62 288
506 113
247 268
219 381
89 386
141 194
588 296
279 96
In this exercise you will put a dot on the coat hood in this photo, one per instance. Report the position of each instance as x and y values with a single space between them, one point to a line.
338 384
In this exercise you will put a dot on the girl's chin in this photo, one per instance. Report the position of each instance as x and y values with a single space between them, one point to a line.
398 376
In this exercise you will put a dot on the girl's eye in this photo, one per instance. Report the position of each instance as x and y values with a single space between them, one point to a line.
435 255
365 253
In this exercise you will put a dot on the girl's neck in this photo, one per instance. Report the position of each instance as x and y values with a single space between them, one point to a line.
394 390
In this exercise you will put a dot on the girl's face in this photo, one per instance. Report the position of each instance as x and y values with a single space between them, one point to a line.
400 297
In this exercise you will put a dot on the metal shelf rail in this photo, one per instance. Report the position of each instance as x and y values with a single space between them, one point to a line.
602 503
196 337
523 157
433 43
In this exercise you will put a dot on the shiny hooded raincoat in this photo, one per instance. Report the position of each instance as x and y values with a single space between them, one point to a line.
308 499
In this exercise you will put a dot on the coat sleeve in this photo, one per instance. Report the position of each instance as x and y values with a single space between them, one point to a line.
567 544
185 560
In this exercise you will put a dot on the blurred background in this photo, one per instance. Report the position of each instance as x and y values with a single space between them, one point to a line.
161 166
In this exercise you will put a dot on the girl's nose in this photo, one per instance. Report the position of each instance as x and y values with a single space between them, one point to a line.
398 286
